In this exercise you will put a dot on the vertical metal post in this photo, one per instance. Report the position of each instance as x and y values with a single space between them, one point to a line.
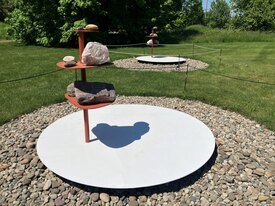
220 57
86 125
178 67
193 50
81 43
186 75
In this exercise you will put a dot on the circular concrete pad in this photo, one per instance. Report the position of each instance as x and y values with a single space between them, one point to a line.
159 59
131 146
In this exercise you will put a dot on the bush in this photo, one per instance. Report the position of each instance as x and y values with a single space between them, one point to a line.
35 22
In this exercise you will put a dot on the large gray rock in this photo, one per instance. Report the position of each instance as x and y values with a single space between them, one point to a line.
94 92
95 54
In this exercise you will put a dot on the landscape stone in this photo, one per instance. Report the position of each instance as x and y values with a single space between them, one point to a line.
259 171
114 199
94 197
142 198
59 202
4 166
30 145
263 198
47 185
231 196
104 197
133 203
26 181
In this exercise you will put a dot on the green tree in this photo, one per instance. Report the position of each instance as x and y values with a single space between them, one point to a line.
6 6
257 15
219 14
35 22
193 12
176 15
169 16
51 22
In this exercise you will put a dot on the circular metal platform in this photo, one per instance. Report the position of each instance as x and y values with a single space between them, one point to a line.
131 146
159 59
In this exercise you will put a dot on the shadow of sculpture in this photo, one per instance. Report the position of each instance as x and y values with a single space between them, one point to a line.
119 136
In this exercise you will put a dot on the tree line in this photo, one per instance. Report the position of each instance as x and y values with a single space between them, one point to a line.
53 22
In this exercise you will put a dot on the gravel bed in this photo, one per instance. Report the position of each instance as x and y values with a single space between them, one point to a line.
240 172
133 64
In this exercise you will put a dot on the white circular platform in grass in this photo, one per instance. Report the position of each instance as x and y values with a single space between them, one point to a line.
159 59
131 146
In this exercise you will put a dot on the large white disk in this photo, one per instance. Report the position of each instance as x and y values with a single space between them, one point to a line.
131 146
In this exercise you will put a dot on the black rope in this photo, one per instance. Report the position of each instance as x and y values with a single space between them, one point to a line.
29 77
240 79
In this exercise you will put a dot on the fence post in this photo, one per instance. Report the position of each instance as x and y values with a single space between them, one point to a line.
186 75
193 50
220 57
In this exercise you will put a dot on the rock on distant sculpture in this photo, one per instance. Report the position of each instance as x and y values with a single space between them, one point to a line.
153 41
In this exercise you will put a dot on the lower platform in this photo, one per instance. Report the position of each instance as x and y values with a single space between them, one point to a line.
131 146
159 59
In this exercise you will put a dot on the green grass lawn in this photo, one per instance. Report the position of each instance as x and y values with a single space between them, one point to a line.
245 63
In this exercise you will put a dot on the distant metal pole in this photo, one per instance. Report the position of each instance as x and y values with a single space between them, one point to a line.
193 50
186 75
220 57
178 67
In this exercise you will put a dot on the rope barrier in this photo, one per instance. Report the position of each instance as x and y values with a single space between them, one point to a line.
206 48
125 45
138 54
29 77
240 79
177 45
116 52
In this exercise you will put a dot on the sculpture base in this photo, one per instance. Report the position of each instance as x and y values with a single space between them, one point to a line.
159 59
132 146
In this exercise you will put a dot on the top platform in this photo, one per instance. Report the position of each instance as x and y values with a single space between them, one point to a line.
85 31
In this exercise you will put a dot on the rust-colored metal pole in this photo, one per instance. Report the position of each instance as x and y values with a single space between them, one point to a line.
86 125
81 45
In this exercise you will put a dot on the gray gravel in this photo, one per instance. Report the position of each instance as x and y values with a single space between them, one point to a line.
241 172
133 64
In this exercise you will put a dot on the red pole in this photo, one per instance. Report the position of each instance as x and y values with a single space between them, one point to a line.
81 48
86 125
81 43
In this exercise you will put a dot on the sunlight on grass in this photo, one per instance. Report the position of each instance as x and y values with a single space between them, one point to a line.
241 77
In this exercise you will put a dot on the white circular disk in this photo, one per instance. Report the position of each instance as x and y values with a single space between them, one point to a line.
159 59
131 146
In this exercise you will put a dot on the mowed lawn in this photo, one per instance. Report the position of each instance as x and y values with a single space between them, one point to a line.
243 80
